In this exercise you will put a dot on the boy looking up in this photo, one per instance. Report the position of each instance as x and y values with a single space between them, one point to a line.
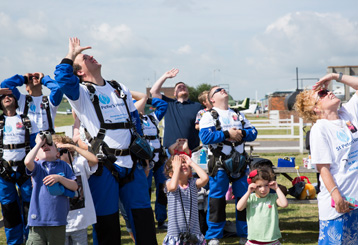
48 213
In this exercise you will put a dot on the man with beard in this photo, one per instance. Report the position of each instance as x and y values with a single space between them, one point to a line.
181 114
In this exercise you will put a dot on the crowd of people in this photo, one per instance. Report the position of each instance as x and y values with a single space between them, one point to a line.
52 187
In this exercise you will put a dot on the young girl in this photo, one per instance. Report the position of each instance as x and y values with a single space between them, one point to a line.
261 207
182 193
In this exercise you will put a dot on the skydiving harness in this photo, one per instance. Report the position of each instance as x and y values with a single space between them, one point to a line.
234 164
106 155
6 170
45 105
160 150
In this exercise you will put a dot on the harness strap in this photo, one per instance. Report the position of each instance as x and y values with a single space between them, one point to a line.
150 137
117 152
13 146
27 104
46 105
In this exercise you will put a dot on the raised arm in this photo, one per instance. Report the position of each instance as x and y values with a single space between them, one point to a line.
172 184
14 82
56 93
90 157
345 79
30 157
160 105
141 100
155 90
203 177
281 200
242 203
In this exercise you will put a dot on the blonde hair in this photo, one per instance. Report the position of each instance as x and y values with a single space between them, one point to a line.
63 140
304 105
203 96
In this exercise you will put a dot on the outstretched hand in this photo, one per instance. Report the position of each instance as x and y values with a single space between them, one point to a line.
74 48
172 73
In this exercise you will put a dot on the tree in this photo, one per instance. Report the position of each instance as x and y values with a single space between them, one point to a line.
194 92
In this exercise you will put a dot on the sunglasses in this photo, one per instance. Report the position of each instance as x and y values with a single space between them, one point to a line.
216 91
321 94
62 151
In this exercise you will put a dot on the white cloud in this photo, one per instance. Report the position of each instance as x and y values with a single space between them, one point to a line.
186 49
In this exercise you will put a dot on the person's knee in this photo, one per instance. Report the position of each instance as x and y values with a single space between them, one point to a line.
12 214
217 210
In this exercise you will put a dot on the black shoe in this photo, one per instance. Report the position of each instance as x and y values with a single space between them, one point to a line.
163 226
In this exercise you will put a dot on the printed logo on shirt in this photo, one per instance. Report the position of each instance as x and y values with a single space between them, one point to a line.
32 107
146 123
235 117
342 136
7 129
104 99
19 125
226 120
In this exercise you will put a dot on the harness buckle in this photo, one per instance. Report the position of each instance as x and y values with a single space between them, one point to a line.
100 155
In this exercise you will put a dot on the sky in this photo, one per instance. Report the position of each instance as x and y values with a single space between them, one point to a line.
252 47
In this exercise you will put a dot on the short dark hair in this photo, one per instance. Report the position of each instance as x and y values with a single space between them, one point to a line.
76 68
179 83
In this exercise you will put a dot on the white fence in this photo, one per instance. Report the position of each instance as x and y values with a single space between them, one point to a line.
283 125
287 125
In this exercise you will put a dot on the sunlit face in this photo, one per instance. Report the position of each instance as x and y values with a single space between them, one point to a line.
87 62
218 93
48 153
181 90
326 100
262 188
7 101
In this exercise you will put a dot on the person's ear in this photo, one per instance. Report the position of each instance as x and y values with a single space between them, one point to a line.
80 73
316 110
58 155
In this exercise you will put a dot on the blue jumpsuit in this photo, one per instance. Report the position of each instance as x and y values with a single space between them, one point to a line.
157 172
15 203
104 187
218 184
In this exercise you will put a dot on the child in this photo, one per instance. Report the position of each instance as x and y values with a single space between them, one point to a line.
82 213
182 194
181 146
47 213
261 207
203 99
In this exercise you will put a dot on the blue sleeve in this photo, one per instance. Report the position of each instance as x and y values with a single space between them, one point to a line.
251 134
136 121
12 83
161 108
67 81
56 93
211 136
32 140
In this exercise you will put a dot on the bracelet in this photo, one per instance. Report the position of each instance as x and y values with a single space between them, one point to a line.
340 77
330 193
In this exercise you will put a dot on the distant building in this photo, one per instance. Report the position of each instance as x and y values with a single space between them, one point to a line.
167 91
277 108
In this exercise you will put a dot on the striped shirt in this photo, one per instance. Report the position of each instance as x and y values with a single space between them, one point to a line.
176 221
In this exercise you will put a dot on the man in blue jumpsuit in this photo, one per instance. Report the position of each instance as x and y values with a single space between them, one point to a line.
105 109
150 123
15 186
225 132
39 108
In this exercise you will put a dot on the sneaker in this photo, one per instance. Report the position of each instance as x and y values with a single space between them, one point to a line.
214 241
242 240
163 226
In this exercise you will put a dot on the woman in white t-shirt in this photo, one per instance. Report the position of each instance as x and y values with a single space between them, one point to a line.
334 150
